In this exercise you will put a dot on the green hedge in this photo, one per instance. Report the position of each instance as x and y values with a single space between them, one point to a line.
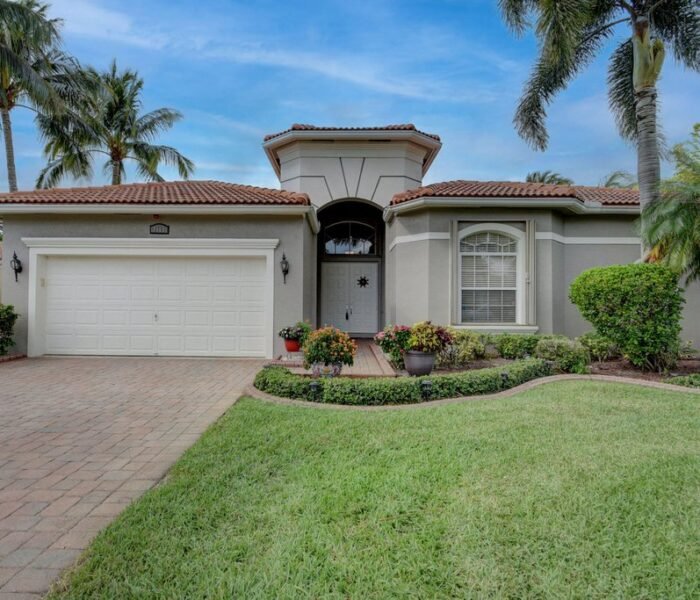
279 381
8 318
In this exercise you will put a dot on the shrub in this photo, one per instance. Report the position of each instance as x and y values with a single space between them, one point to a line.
638 307
394 342
329 346
687 380
568 356
8 318
375 391
426 337
300 331
515 345
599 347
466 347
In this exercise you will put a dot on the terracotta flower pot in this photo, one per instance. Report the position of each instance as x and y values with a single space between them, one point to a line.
292 345
419 363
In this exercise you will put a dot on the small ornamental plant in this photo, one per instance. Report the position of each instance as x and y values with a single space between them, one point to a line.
393 341
296 332
329 346
8 318
429 338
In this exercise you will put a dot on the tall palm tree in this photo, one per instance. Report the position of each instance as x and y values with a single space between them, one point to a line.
619 179
548 177
33 71
671 226
109 122
572 32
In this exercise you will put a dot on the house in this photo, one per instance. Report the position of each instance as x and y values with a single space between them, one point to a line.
196 268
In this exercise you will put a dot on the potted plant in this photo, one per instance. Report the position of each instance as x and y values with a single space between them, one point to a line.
295 335
326 350
425 341
393 341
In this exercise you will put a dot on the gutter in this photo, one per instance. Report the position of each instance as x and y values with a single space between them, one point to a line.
572 204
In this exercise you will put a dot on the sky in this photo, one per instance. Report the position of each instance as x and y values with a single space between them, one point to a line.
238 70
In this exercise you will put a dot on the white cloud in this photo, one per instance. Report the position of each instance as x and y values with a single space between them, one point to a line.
85 18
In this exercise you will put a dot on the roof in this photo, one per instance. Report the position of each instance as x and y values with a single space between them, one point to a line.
515 189
167 192
305 127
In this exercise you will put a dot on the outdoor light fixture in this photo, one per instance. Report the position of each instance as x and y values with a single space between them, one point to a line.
426 388
315 388
284 265
16 265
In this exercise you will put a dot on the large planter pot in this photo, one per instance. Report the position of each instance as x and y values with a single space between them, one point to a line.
419 363
292 345
322 370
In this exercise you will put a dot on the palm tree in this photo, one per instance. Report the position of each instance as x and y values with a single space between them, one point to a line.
671 226
619 179
32 69
109 123
548 177
572 32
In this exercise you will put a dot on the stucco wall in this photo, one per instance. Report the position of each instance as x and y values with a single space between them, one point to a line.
293 301
422 270
330 171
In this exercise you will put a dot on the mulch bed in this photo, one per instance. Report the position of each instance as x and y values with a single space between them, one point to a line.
623 368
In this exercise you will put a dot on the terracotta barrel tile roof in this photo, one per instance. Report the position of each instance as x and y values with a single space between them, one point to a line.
515 189
397 127
169 192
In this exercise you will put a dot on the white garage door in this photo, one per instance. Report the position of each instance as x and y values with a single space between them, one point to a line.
156 306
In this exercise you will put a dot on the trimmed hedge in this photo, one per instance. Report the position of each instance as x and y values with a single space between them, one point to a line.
8 318
638 307
279 381
568 356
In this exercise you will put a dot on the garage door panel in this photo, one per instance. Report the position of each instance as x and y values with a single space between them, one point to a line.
153 306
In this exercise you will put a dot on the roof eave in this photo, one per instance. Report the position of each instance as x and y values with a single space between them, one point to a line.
431 144
572 204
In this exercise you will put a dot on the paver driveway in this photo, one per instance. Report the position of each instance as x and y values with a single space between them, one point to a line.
82 437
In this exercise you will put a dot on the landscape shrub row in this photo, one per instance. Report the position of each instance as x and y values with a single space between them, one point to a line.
279 381
8 318
687 380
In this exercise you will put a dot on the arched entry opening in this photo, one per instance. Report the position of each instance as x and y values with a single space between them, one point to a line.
351 267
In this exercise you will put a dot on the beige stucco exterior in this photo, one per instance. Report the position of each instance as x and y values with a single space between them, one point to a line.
419 257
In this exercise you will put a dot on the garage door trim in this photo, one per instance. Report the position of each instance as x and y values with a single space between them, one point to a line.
40 248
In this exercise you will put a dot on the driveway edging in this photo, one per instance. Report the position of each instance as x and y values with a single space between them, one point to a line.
254 392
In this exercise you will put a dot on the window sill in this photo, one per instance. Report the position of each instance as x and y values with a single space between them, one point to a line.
495 328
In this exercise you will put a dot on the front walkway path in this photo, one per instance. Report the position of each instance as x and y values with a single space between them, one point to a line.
82 437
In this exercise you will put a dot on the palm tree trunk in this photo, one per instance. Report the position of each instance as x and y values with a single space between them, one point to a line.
9 149
648 162
116 173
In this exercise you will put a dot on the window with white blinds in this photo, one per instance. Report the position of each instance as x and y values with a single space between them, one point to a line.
489 277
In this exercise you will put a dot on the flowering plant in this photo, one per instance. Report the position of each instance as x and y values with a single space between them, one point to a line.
426 337
329 346
393 341
298 332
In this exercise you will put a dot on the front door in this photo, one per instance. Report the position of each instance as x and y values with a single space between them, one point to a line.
350 296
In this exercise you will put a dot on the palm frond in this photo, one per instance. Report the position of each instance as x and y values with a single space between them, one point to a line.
677 22
516 13
621 90
157 121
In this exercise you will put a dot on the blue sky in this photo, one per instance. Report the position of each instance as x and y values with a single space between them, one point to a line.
238 70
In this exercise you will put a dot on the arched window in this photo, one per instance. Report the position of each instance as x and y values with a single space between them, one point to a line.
350 237
490 274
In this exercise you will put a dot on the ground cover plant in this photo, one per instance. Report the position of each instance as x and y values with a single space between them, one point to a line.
570 490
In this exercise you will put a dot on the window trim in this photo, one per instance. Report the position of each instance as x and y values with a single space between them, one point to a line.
351 222
520 268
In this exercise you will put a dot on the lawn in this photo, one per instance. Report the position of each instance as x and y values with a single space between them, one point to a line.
574 489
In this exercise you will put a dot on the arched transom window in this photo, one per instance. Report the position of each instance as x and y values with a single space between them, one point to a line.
489 281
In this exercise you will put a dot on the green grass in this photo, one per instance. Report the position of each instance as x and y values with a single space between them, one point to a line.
571 490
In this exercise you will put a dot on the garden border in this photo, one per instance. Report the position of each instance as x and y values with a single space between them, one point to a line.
254 392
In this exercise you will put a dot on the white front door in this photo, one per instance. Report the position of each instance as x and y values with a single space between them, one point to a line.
350 296
164 306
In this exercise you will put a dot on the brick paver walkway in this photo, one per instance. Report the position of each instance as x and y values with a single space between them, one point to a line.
80 438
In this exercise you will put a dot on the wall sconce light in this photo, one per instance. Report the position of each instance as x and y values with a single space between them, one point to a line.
284 265
16 265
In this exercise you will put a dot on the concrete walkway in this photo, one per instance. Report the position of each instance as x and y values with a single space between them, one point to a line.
80 438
